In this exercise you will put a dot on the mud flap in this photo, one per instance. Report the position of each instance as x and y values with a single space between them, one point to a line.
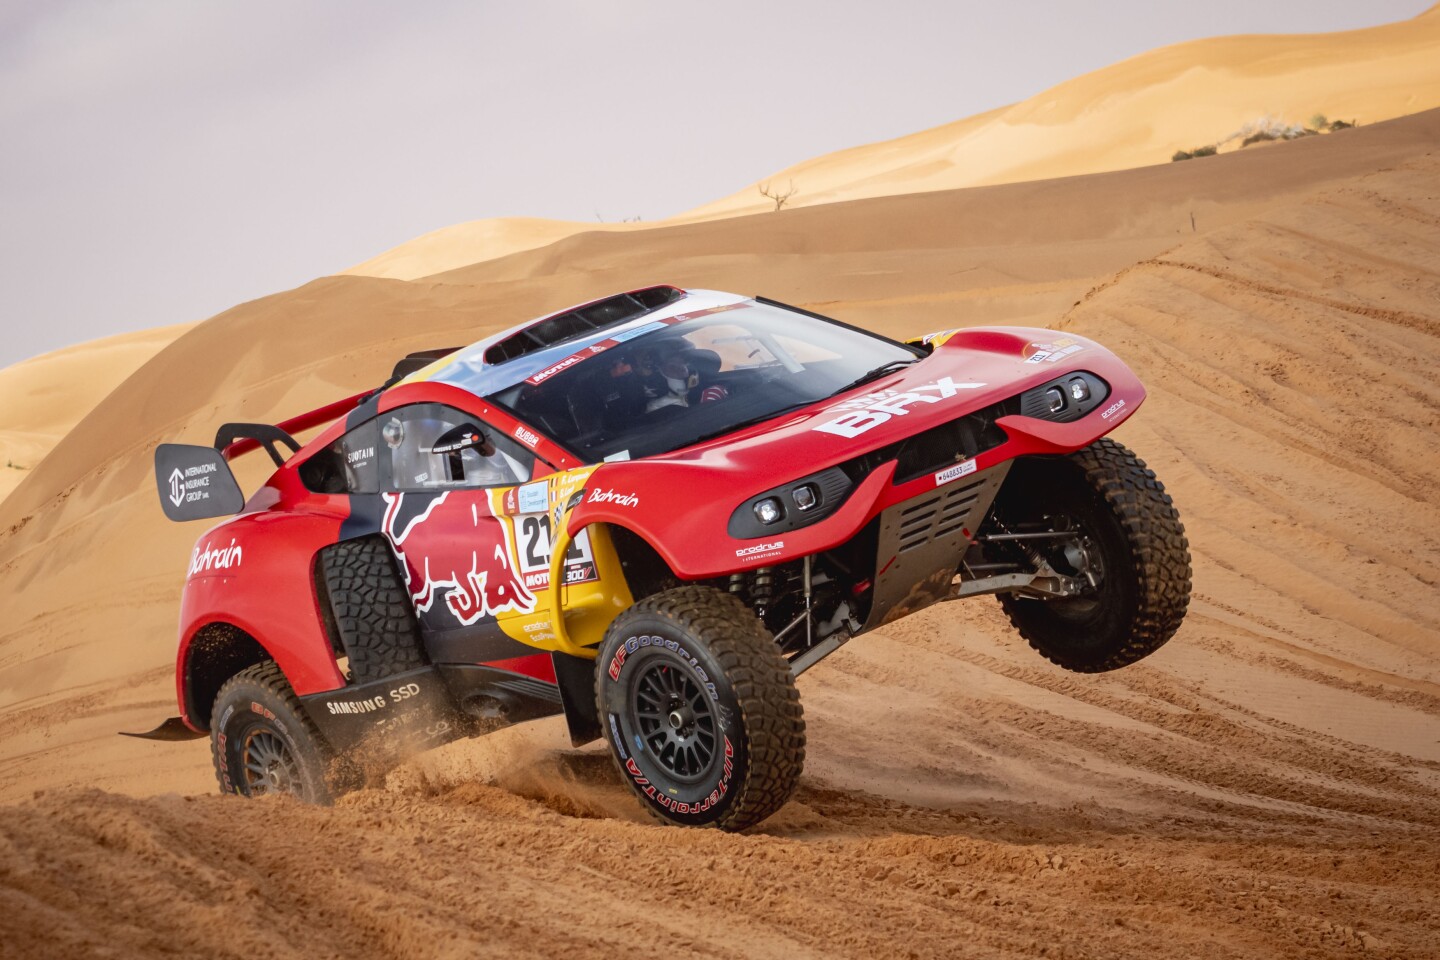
171 731
576 679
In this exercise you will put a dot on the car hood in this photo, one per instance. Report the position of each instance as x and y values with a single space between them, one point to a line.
691 493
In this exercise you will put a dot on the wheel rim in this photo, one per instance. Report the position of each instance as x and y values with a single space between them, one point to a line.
270 767
674 720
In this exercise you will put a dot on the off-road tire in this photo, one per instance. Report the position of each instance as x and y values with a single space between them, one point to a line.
705 636
256 708
1146 586
370 608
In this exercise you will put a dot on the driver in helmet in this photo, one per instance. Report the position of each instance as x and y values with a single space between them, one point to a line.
673 385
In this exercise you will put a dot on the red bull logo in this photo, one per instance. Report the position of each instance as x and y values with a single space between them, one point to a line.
452 546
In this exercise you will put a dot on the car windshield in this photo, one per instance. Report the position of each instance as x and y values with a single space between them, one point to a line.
696 377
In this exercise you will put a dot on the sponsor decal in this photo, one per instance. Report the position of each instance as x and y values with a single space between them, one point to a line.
191 484
679 806
467 441
619 740
955 473
177 487
533 498
449 549
1037 352
639 331
539 631
869 411
526 437
376 702
760 551
610 496
553 369
355 456
205 559
1113 409
938 339
536 551
617 662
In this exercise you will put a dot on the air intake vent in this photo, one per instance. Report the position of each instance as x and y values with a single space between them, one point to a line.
610 312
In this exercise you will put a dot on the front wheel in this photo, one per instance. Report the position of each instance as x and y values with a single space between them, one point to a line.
700 709
262 742
1119 532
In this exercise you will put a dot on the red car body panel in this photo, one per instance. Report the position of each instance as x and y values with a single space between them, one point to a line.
257 570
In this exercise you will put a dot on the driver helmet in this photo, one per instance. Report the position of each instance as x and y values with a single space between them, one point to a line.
678 374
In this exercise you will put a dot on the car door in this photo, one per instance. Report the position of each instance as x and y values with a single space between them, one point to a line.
447 478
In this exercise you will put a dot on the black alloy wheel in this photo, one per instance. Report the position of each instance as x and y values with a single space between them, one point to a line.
700 709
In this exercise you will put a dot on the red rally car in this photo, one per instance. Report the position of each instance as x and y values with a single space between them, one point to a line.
651 513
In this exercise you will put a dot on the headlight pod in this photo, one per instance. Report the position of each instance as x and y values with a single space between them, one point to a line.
790 506
1065 398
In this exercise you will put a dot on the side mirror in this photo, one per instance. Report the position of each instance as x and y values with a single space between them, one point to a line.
454 442
195 483
467 436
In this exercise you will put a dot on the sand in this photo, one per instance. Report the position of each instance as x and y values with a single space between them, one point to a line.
1267 785
42 398
1131 114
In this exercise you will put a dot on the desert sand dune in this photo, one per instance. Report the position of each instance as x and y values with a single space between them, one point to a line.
43 397
1267 785
1131 114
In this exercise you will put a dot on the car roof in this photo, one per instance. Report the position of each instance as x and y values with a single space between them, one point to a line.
477 369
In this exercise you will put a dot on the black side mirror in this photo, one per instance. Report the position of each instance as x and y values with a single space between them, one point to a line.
467 436
453 443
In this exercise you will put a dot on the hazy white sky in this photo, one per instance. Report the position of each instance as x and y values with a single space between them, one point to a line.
162 160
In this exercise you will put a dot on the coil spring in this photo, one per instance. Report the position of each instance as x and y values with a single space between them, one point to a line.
757 587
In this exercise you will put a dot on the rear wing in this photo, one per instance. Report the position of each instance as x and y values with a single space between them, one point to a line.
196 483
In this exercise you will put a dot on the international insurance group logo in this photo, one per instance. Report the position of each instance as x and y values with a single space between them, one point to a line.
177 487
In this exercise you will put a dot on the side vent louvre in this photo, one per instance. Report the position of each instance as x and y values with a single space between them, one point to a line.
945 512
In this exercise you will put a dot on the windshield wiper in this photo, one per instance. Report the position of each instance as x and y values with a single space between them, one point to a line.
874 374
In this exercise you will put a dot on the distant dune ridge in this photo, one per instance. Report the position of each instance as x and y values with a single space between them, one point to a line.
1131 114
43 397
1265 786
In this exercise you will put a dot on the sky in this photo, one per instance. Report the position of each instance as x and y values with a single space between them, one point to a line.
164 160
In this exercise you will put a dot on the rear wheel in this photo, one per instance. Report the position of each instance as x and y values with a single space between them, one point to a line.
701 710
1121 536
262 742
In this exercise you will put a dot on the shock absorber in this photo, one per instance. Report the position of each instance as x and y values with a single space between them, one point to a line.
737 585
762 586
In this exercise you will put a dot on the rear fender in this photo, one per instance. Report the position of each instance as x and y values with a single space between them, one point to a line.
253 579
